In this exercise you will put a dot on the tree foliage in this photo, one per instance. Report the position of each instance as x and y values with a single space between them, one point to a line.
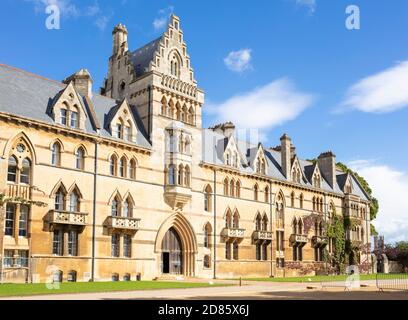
398 252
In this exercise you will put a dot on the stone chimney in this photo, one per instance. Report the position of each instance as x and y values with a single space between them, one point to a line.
227 129
327 166
82 81
286 154
120 35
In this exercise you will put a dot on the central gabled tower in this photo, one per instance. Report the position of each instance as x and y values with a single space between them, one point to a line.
159 81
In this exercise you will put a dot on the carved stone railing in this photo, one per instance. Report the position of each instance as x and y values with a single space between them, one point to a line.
298 238
262 235
123 223
18 191
319 241
66 217
233 233
178 85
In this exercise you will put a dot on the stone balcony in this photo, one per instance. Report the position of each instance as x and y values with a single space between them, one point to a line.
177 196
67 218
319 241
298 239
233 233
260 235
122 223
20 191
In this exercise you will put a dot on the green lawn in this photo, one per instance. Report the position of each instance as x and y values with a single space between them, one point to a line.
7 290
318 278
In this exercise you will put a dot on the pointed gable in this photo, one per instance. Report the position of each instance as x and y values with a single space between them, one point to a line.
259 163
296 170
231 153
121 123
68 109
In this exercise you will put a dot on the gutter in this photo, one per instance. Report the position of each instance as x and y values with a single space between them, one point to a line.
94 213
215 225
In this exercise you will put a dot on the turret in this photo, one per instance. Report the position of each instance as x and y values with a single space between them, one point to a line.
119 34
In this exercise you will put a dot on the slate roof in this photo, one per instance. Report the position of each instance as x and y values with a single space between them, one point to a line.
31 96
142 57
214 144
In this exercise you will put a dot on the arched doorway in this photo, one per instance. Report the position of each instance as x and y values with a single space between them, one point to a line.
172 253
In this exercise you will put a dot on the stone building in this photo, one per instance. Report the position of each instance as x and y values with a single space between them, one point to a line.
127 183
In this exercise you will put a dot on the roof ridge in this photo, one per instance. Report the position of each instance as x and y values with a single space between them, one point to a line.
46 79
31 74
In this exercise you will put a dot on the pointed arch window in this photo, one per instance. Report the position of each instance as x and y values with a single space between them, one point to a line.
294 226
265 223
235 222
115 207
132 169
207 236
292 199
180 175
228 220
187 178
112 165
266 194
226 187
59 200
63 116
238 189
172 175
122 167
80 158
301 200
258 222
127 208
208 199
12 170
74 116
256 192
74 202
232 188
300 226
56 154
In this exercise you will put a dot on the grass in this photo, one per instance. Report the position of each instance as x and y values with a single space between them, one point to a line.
318 278
15 290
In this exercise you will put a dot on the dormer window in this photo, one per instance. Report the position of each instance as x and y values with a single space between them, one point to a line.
63 116
317 181
74 117
118 131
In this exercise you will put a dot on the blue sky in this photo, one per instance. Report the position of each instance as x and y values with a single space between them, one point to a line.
281 65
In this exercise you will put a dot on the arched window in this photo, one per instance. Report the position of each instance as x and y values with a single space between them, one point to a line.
184 115
226 187
300 226
235 223
292 199
132 169
208 199
127 210
164 106
321 228
180 175
294 226
25 171
187 147
122 167
127 132
74 117
118 130
112 165
207 236
74 202
72 276
258 222
228 220
301 200
115 207
265 223
232 187
63 116
56 154
187 174
12 170
238 189
256 191
60 200
266 194
172 175
80 156
207 261
191 116
314 203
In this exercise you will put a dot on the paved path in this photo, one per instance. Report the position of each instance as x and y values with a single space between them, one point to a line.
249 291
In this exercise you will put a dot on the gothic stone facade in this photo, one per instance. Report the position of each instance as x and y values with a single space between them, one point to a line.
127 182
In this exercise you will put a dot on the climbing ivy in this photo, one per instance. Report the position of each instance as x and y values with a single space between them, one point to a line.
336 230
4 200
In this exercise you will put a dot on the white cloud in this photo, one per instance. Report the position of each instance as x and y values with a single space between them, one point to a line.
390 187
309 4
239 61
160 22
264 107
66 7
383 92
102 21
